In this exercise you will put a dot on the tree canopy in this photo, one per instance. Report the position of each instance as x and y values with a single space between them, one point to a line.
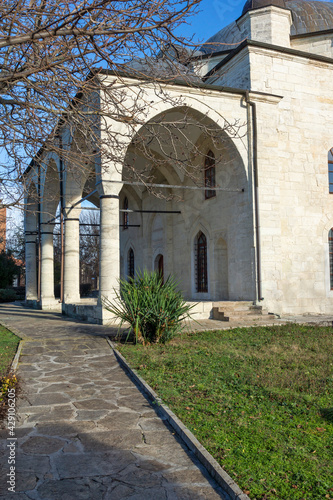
49 48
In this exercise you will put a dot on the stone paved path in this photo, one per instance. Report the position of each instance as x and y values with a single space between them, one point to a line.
84 430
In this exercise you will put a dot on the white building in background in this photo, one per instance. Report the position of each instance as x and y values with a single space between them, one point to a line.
265 234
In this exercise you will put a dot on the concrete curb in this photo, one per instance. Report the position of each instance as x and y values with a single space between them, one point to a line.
215 470
17 356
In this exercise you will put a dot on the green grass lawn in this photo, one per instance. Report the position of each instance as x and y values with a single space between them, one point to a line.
259 399
8 347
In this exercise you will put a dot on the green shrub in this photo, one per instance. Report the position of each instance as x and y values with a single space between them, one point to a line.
20 292
153 309
7 295
8 269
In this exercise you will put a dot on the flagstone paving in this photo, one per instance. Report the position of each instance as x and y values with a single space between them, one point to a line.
84 430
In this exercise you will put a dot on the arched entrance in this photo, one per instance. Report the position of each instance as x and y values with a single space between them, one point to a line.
181 163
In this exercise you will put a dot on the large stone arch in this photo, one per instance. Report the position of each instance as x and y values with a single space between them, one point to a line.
225 219
115 174
181 128
225 110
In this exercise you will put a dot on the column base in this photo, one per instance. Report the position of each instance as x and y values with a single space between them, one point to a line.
50 304
32 303
72 299
106 317
93 313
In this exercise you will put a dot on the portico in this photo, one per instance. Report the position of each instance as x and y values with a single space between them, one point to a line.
165 219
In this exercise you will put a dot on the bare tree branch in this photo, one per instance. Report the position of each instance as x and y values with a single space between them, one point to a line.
53 60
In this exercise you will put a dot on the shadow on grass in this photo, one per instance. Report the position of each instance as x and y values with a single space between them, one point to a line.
327 414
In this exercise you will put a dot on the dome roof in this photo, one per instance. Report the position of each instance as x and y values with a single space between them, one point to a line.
308 17
257 4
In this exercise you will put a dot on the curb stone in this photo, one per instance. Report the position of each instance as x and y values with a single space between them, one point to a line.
17 356
214 469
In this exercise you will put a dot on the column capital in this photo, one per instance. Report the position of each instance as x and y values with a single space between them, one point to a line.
72 213
109 189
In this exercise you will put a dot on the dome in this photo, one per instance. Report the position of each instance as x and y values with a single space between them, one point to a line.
308 17
257 4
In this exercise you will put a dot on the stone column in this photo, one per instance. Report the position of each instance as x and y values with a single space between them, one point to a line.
47 271
30 225
72 258
109 269
31 268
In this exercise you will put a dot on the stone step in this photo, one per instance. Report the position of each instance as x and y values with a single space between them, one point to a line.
255 319
248 312
234 305
242 310
219 315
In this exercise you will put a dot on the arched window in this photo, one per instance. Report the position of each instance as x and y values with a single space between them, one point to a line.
210 174
330 170
330 247
130 263
125 214
201 262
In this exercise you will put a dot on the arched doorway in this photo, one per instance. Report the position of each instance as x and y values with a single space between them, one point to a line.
159 265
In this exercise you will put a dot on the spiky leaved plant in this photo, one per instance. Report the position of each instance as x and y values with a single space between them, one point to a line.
153 309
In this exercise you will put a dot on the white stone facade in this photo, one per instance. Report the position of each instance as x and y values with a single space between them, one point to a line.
267 232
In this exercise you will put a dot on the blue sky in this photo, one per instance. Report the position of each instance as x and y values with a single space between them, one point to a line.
213 16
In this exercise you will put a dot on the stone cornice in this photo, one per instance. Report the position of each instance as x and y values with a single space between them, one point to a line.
247 44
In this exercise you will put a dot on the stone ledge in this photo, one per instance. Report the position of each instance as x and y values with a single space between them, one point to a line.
214 469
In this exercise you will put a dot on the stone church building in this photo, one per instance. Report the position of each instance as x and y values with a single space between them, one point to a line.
264 86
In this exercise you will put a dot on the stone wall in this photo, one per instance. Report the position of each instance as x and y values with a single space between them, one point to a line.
319 44
296 209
